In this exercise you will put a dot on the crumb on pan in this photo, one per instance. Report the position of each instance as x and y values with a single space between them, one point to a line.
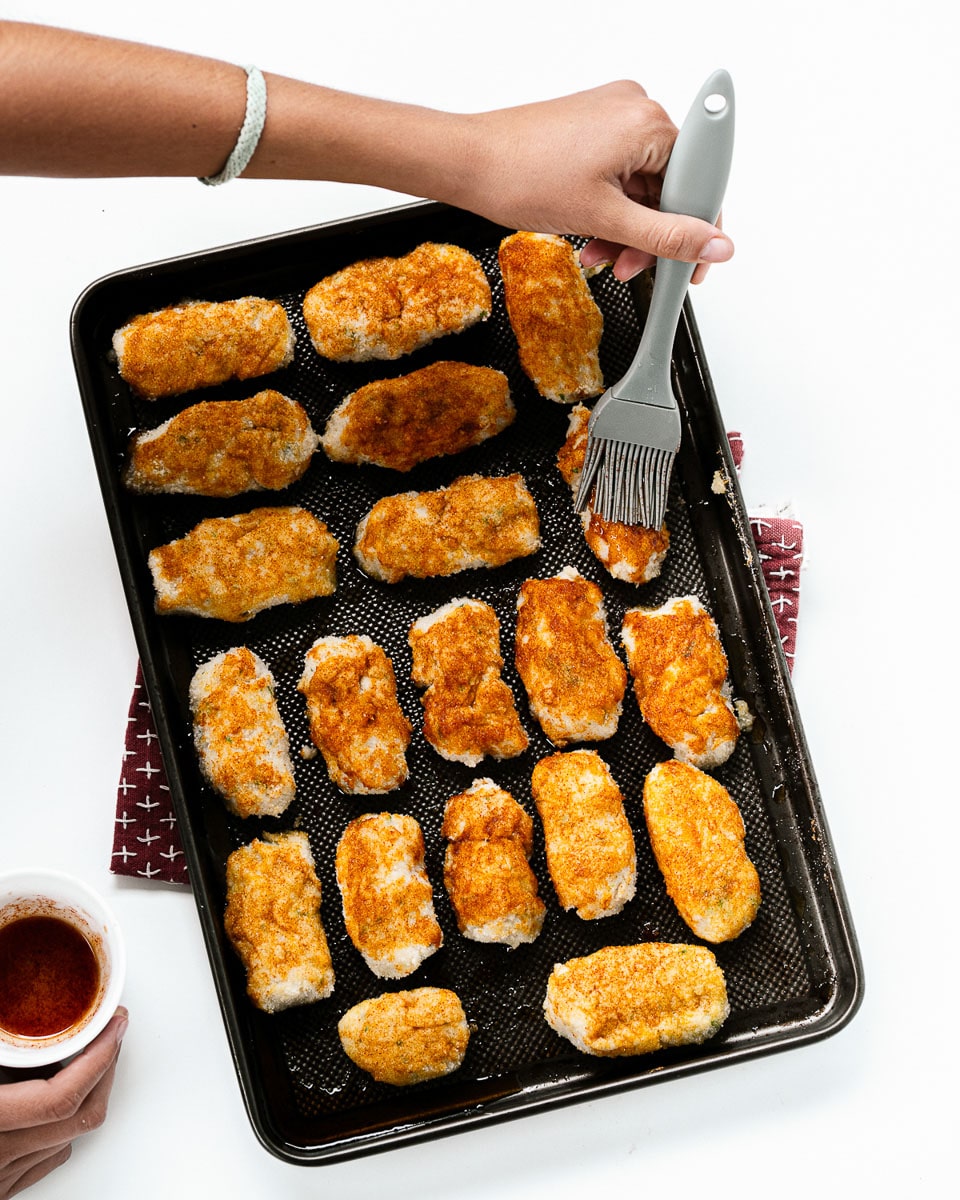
203 343
637 999
440 409
468 710
679 674
272 918
486 868
407 1037
382 308
553 314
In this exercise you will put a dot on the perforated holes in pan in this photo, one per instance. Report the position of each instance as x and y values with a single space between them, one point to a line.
502 991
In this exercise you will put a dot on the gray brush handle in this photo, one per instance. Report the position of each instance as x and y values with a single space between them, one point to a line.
694 184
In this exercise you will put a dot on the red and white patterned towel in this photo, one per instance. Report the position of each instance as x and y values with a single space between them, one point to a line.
145 841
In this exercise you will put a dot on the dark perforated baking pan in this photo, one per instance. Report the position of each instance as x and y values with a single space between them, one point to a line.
793 977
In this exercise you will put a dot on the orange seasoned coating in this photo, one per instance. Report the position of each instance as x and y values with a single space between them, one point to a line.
468 710
386 307
203 343
234 567
629 552
697 835
441 409
355 718
637 999
573 677
239 734
554 317
387 898
679 674
591 853
486 868
406 1037
272 918
477 521
224 447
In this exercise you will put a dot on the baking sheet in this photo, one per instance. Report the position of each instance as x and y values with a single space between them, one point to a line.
793 977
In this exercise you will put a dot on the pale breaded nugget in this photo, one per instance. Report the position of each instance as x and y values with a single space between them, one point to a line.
273 920
406 1037
629 552
697 835
554 317
573 677
679 674
355 718
387 897
486 869
591 854
637 999
441 409
477 521
234 567
468 710
224 447
387 307
202 343
239 734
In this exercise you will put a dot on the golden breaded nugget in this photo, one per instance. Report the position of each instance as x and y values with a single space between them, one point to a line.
273 920
679 674
697 835
486 869
591 854
468 710
203 343
387 307
441 409
573 677
629 552
554 317
224 447
477 521
355 718
234 567
239 734
387 897
406 1037
637 999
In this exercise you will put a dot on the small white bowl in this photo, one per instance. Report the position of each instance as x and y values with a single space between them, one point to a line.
33 893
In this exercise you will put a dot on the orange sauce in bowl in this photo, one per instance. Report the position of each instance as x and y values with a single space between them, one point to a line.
49 976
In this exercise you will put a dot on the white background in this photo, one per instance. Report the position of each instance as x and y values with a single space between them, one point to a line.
831 340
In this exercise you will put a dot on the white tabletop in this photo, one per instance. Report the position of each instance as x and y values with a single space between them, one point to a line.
831 340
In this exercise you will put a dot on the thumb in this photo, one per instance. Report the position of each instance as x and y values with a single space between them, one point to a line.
662 235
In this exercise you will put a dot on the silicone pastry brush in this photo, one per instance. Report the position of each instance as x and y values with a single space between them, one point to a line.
634 429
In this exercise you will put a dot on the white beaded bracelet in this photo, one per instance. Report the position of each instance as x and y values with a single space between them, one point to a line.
250 131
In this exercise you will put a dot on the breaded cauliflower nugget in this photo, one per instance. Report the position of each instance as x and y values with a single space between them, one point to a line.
386 307
477 521
355 718
272 919
387 897
239 734
591 855
637 999
486 868
573 677
629 552
468 710
441 409
224 447
697 835
232 568
406 1037
203 343
554 317
679 674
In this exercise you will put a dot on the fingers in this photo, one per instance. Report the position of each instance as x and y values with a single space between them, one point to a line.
24 1172
660 235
